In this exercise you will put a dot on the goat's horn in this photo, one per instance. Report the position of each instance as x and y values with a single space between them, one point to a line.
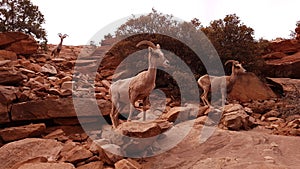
230 61
146 42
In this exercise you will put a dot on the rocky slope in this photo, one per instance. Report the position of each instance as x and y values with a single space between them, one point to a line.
39 120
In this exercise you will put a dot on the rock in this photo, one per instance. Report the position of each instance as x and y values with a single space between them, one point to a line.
248 87
77 154
8 94
109 154
58 134
112 152
4 111
106 83
274 55
139 129
31 161
288 84
272 113
26 149
55 108
17 133
34 67
49 69
5 62
10 77
284 68
286 46
92 165
172 114
7 38
127 164
67 85
8 55
24 47
235 118
140 136
47 166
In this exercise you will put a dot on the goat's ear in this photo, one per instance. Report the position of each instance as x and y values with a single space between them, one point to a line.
59 34
158 46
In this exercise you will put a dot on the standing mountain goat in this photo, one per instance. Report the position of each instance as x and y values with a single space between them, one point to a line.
139 87
55 52
208 83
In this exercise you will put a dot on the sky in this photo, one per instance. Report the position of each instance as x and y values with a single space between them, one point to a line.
83 20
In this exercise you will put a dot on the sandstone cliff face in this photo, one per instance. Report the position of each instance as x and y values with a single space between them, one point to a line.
37 88
284 59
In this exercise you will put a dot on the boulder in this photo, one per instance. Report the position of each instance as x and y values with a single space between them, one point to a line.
284 67
111 153
236 118
29 148
8 55
47 166
140 136
49 69
92 165
274 55
10 77
56 108
139 129
18 42
17 133
4 111
7 38
249 87
77 154
127 164
7 96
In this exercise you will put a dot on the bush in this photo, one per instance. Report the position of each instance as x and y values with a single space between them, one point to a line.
22 16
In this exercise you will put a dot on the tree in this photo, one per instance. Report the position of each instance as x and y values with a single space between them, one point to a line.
152 23
232 39
22 16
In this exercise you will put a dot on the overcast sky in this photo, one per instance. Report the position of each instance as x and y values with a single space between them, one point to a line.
81 20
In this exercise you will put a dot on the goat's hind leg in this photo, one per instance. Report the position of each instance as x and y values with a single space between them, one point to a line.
114 116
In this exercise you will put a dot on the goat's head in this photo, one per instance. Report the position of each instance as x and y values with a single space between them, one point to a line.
157 57
236 66
62 36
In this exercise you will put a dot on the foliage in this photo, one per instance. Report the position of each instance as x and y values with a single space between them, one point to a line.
22 16
152 23
231 38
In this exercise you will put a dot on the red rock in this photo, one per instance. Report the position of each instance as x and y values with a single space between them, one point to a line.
24 47
47 166
4 117
127 164
92 165
7 38
10 77
77 154
249 87
8 55
56 108
18 133
8 94
275 55
23 150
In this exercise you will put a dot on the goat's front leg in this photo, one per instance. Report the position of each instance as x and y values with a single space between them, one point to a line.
145 102
114 116
131 109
